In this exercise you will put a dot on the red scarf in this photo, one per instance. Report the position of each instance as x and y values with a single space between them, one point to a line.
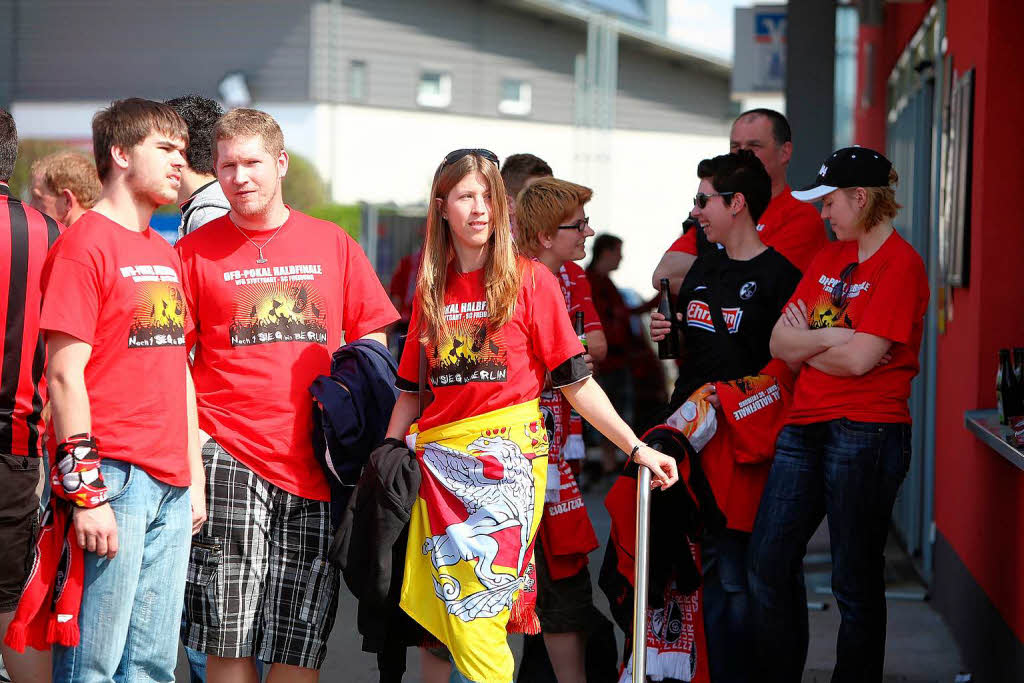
48 611
565 528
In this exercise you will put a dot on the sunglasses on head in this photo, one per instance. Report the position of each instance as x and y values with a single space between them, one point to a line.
452 157
841 290
579 226
700 200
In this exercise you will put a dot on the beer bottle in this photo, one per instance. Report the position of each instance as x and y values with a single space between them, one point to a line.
669 346
577 326
1018 363
1006 386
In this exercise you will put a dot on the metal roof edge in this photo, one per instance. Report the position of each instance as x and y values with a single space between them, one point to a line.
647 39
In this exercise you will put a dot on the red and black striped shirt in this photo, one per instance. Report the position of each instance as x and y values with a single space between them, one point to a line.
25 237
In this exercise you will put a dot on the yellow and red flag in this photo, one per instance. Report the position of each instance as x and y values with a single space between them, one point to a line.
472 531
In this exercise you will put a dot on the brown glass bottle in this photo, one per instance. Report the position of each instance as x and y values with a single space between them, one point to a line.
669 346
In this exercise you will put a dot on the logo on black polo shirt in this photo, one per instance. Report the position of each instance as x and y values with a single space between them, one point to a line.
747 290
698 314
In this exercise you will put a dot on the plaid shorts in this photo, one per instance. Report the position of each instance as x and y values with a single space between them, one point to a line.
259 582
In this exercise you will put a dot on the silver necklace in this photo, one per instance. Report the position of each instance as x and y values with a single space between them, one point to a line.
260 260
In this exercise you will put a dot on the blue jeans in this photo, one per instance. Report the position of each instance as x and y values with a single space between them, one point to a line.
726 606
197 664
131 604
850 472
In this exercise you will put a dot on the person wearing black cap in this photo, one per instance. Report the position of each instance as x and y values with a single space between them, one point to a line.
855 323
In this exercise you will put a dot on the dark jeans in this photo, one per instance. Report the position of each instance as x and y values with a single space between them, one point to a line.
850 472
726 607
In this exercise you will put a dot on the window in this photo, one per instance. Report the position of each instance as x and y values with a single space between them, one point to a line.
357 80
435 89
516 97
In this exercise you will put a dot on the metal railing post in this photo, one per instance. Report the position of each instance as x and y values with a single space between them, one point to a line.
643 530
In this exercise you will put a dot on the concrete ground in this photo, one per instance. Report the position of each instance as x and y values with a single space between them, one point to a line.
919 647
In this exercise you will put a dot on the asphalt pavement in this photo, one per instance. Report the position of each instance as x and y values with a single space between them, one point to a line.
919 647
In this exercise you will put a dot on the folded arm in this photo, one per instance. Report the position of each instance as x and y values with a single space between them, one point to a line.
793 342
853 358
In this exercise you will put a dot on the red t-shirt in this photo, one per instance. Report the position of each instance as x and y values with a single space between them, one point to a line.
263 332
403 283
476 369
120 292
888 298
578 296
794 228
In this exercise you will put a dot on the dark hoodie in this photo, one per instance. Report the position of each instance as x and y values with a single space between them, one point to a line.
369 547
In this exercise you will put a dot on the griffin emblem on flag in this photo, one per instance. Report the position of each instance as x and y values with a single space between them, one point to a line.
472 531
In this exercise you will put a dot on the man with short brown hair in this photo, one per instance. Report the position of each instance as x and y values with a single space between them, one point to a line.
273 292
123 405
66 184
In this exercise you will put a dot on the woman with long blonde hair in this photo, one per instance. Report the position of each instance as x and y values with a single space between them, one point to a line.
488 325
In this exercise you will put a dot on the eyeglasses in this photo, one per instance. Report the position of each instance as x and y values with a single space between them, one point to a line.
452 157
841 290
700 200
579 226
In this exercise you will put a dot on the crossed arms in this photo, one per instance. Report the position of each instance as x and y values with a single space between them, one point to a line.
836 351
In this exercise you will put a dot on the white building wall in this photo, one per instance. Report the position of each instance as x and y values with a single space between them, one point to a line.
643 182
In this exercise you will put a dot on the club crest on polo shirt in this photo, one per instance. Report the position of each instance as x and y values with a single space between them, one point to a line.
698 314
747 290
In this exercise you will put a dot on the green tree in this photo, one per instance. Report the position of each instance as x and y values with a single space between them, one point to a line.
303 188
29 151
347 216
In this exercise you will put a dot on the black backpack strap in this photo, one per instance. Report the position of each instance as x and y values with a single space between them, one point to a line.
715 306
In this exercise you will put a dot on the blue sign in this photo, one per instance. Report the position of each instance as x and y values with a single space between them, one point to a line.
167 225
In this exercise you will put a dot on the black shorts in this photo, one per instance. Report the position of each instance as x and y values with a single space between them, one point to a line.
565 605
19 523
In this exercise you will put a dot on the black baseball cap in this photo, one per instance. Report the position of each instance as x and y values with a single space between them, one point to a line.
848 167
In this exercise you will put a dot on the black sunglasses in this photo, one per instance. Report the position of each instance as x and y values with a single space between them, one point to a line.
841 290
700 200
452 157
579 226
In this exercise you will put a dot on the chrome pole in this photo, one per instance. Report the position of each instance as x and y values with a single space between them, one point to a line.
643 531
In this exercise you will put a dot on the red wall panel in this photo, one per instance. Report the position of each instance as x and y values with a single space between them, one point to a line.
979 497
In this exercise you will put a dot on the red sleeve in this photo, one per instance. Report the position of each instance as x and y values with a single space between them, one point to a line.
74 315
408 366
898 299
687 242
367 306
801 238
190 301
551 333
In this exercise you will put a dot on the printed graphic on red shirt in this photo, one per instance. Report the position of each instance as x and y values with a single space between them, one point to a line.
275 310
470 351
159 316
830 307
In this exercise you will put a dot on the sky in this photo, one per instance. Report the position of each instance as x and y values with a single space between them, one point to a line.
704 25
